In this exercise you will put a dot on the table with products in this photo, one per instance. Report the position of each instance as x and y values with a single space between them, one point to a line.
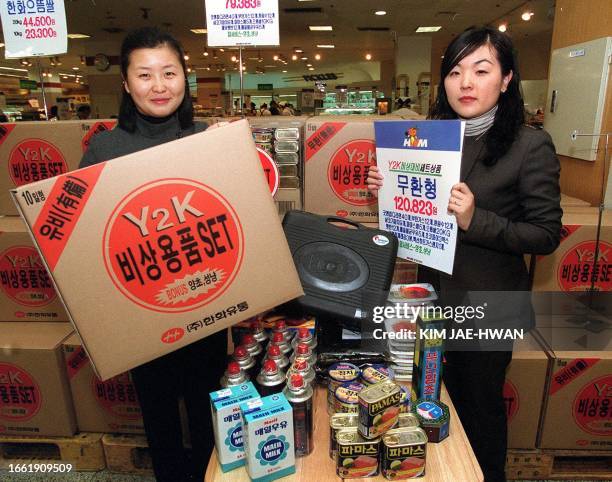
450 460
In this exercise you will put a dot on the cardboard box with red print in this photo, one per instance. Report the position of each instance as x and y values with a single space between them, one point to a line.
31 151
158 249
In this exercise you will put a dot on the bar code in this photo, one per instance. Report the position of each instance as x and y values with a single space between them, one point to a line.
285 206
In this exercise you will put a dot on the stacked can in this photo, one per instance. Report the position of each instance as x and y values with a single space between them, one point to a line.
303 350
301 367
338 374
244 359
270 379
234 375
274 353
283 145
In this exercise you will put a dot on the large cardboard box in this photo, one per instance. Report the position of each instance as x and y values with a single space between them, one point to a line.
34 393
26 289
110 406
524 392
569 268
578 413
31 151
153 251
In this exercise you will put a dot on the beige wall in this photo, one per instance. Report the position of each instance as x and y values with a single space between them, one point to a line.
533 55
105 94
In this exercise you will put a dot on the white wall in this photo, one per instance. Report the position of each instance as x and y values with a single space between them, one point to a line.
413 57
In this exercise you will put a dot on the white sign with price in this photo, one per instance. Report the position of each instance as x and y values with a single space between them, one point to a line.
242 22
33 28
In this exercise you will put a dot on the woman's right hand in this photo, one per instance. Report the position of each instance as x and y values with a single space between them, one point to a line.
374 181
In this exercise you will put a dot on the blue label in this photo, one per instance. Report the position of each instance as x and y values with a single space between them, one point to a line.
272 450
234 438
429 411
444 135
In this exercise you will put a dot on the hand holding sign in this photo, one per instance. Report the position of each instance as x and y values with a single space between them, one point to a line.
461 204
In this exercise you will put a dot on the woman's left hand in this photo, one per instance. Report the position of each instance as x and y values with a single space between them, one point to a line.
461 204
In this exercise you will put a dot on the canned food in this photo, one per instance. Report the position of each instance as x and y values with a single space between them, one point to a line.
287 158
347 397
286 146
378 408
288 170
339 421
338 374
407 420
356 456
287 133
266 147
405 401
434 418
403 453
262 135
373 374
289 182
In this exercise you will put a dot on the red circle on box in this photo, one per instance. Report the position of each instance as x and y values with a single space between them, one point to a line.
173 245
347 172
117 396
28 267
20 397
271 170
172 335
576 259
511 399
29 156
589 411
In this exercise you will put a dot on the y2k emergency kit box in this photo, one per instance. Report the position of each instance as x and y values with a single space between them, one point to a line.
31 151
109 407
158 249
34 393
26 288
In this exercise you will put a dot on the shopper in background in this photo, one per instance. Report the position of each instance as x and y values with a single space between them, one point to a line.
506 205
274 108
83 111
263 110
155 109
53 113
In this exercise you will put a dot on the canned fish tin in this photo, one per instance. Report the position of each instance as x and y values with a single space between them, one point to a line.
403 453
346 399
405 402
356 456
407 420
434 418
287 158
339 421
286 146
287 133
373 374
288 170
338 374
378 408
291 182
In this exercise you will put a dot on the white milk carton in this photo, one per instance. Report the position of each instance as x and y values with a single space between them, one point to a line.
268 437
227 424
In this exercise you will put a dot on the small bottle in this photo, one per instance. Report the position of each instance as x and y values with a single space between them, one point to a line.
279 340
258 332
299 394
275 354
242 356
281 327
305 336
270 379
234 375
302 350
303 368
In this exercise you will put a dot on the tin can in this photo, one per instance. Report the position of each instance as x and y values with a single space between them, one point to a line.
286 146
262 135
266 147
405 401
274 353
407 420
279 340
356 457
403 453
304 336
339 421
287 133
280 326
304 351
270 380
378 408
299 394
346 399
287 170
338 374
287 158
254 348
242 356
373 374
234 375
258 332
301 366
434 418
289 182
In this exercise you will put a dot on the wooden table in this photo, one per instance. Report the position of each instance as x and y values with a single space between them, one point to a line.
451 460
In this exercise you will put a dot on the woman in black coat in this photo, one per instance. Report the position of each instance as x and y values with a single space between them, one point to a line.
506 205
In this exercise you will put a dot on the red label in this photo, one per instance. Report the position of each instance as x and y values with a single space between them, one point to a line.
24 277
117 396
348 171
20 397
511 399
321 137
34 159
342 213
572 370
172 335
576 268
5 130
173 245
76 361
96 129
62 210
270 169
592 409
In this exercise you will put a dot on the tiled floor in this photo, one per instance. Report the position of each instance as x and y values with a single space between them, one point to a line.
102 476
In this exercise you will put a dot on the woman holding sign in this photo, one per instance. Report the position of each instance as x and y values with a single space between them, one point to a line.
506 205
156 108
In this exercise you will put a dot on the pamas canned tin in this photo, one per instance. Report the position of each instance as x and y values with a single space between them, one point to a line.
379 407
407 420
373 374
337 422
434 418
403 453
346 399
356 456
338 374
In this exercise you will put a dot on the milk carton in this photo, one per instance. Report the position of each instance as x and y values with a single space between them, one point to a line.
268 437
227 424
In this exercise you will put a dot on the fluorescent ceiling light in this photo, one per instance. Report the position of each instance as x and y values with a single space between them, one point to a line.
11 68
1 45
326 46
199 31
428 29
78 35
380 12
320 28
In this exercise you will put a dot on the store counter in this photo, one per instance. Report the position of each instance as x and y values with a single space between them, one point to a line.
450 460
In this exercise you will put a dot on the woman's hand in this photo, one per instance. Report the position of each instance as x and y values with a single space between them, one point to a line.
374 181
461 204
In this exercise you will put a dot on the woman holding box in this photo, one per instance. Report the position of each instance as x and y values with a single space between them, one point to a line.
506 205
156 108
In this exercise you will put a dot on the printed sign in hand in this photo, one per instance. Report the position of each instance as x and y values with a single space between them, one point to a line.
420 161
33 28
270 169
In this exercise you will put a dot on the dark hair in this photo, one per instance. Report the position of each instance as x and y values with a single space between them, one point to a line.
510 115
150 38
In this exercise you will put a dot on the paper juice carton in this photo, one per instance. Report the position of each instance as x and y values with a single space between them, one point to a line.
227 424
268 437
